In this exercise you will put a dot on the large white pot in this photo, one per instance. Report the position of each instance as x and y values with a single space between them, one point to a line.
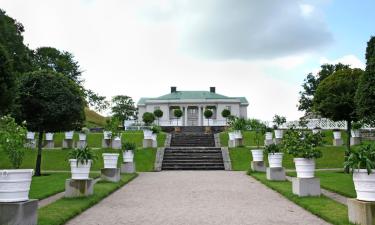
80 171
305 168
279 134
356 133
154 137
147 134
237 134
257 155
337 135
364 185
15 185
110 160
30 135
107 135
275 160
231 136
316 131
69 135
49 136
269 136
128 155
82 136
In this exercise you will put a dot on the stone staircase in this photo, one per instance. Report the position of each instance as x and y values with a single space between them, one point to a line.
192 150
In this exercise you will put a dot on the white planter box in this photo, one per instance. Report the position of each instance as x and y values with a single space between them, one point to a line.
117 138
49 136
269 135
275 160
356 133
82 136
30 135
15 185
237 134
107 135
147 134
316 131
364 185
128 155
279 134
154 137
69 135
231 136
110 160
80 171
337 135
257 155
305 168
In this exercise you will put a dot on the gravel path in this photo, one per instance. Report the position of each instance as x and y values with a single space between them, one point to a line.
195 197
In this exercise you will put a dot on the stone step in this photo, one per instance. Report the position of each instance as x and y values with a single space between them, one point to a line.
184 167
192 162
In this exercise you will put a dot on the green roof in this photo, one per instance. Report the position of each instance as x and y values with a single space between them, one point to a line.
181 95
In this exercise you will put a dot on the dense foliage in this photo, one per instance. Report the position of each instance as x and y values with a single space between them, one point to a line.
113 125
7 82
158 114
237 123
148 118
129 146
278 121
123 107
362 158
177 113
272 149
82 155
302 144
259 128
225 113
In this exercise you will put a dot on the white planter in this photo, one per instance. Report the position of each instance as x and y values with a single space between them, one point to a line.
269 136
337 134
237 134
128 155
82 136
30 135
257 155
110 160
364 185
316 131
107 135
15 185
80 171
275 160
231 136
305 168
356 133
49 136
154 137
69 135
117 138
147 134
279 134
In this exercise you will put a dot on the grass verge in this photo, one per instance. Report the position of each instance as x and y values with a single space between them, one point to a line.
322 206
64 209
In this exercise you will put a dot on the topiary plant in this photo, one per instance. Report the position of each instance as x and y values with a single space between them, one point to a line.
158 114
208 114
178 114
148 118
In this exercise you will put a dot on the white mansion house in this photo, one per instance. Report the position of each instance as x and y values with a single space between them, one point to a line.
193 104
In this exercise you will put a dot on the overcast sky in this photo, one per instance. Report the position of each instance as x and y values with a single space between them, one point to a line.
258 49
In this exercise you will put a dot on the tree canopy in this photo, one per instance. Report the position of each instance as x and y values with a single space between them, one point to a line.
148 118
7 82
123 107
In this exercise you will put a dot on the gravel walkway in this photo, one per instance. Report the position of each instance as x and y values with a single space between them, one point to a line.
195 197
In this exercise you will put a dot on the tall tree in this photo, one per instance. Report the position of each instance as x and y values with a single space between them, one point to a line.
49 102
365 96
123 107
334 97
7 82
311 83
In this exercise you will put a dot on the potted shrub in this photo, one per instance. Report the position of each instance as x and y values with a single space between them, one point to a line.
361 162
226 114
303 146
14 183
275 156
237 125
208 114
269 134
83 134
278 121
336 134
259 128
356 129
155 130
128 151
80 162
158 114
178 114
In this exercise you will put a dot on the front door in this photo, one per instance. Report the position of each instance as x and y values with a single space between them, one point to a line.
192 117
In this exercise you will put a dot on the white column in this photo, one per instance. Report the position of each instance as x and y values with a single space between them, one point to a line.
199 116
185 116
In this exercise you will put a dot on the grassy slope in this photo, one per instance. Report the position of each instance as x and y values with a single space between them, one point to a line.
64 209
323 207
94 119
333 157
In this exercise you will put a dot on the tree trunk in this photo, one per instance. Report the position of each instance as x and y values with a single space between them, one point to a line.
348 131
39 156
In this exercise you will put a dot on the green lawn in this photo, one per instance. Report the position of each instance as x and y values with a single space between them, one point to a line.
60 211
333 157
322 206
57 159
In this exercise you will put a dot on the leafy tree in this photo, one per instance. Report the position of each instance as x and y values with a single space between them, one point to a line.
148 118
158 114
208 114
123 107
178 114
49 102
334 97
311 83
7 82
225 113
96 101
365 96
259 128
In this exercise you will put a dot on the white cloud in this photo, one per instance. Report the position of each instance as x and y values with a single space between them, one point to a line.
307 9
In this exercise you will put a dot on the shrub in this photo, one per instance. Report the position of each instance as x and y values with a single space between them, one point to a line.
82 155
278 121
148 118
363 158
302 144
356 125
158 113
236 123
225 113
272 148
129 146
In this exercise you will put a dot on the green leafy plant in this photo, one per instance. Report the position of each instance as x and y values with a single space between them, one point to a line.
258 127
156 129
12 139
278 121
357 125
237 123
302 144
208 114
158 114
272 149
82 155
148 118
129 146
225 113
113 125
362 158
178 114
